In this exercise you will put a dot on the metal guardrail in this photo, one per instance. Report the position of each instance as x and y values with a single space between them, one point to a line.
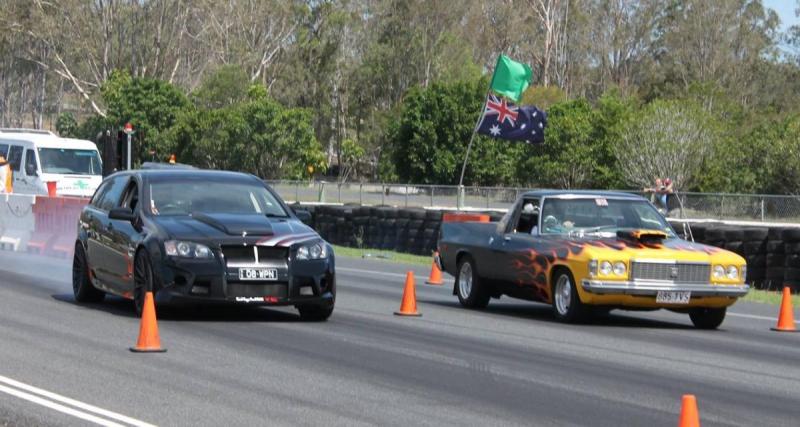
723 206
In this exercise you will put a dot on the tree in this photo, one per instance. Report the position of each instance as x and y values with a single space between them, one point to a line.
667 139
429 139
228 85
258 136
567 159
66 125
150 105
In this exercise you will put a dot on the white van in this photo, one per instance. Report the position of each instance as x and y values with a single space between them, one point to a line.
38 157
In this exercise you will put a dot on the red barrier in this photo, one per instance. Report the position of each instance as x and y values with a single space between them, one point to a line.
464 217
55 225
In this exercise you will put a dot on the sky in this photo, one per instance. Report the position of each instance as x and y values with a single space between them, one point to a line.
785 9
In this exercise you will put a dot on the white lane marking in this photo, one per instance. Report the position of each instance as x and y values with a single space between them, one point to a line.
383 273
753 316
66 400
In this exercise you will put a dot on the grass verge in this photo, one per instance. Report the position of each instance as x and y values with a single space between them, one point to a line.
769 297
381 255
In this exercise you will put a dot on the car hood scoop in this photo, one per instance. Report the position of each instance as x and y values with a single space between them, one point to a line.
642 236
236 224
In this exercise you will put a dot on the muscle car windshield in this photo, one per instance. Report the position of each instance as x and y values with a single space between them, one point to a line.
192 196
600 215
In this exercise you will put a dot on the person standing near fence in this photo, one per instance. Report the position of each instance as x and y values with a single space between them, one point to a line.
6 179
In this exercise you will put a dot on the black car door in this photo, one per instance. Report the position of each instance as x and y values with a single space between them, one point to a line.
97 222
123 237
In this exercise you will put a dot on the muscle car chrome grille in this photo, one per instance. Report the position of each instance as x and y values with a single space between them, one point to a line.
671 272
246 254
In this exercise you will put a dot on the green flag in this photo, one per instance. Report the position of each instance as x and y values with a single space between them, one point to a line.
510 78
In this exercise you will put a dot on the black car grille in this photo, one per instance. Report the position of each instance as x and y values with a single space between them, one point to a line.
279 290
246 254
671 272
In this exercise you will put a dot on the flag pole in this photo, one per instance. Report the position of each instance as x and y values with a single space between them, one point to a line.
460 197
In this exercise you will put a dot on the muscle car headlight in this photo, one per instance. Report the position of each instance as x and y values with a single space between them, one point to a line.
619 268
606 268
732 272
315 251
178 248
719 272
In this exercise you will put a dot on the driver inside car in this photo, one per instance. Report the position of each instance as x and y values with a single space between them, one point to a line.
552 225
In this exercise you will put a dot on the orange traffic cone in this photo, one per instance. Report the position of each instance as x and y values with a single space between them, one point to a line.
786 316
148 342
408 307
689 415
436 275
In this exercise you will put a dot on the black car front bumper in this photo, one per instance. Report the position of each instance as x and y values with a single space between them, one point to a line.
309 282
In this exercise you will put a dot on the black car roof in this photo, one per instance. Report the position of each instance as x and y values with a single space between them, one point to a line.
596 193
168 174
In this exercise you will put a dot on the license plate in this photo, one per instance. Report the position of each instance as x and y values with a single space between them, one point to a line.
258 274
673 297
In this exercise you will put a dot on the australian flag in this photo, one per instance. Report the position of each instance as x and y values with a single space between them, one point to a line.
504 120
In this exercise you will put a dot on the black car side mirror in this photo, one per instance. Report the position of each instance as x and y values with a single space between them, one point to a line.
122 214
304 216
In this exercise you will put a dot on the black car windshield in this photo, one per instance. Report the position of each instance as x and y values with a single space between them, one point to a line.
184 197
70 162
600 215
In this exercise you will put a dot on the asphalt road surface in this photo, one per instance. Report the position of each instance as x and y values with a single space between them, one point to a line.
62 363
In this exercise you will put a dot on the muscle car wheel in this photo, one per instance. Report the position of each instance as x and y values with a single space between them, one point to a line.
142 280
472 292
707 318
82 286
567 306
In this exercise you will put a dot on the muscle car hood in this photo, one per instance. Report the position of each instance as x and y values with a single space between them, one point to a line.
225 227
667 249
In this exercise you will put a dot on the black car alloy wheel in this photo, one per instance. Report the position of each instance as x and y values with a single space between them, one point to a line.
82 287
142 279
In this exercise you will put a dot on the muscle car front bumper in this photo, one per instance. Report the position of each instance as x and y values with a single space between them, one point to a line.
652 288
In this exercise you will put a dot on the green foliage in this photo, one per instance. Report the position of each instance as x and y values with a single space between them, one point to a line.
66 125
568 157
431 135
259 136
228 85
151 106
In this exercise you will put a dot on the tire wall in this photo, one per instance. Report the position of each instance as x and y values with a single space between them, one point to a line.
409 230
772 253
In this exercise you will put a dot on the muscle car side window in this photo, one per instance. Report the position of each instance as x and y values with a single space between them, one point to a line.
528 217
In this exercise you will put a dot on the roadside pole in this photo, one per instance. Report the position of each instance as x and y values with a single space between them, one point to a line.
460 196
128 129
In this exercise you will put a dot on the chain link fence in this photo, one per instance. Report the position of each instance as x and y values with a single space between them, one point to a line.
745 207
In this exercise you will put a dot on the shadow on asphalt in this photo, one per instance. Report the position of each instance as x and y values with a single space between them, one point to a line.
185 312
543 312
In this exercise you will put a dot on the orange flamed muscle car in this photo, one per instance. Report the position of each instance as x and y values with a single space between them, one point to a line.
590 251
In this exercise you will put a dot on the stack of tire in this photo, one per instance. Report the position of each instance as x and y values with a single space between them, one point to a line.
387 221
775 258
714 236
791 249
430 232
754 250
360 236
415 239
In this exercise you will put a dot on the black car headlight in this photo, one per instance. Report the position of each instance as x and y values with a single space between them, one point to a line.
177 248
313 251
